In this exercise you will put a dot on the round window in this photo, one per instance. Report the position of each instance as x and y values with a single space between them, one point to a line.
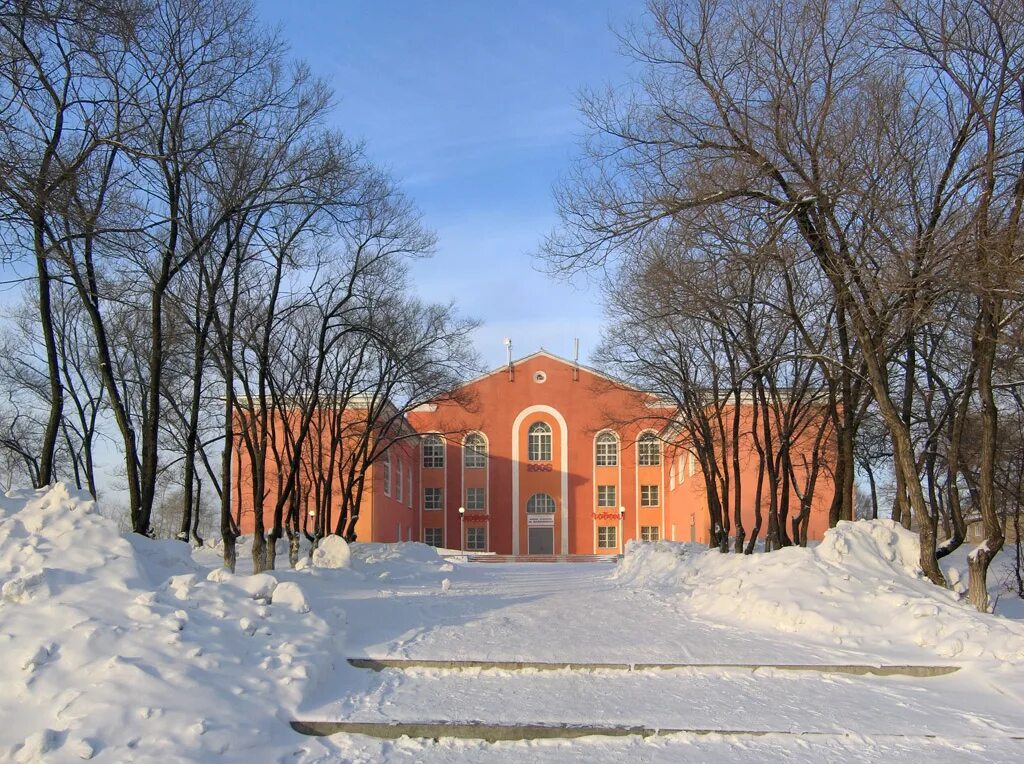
540 377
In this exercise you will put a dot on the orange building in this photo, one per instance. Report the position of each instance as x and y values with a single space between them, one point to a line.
544 456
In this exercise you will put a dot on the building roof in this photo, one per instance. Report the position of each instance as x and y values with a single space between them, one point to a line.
544 353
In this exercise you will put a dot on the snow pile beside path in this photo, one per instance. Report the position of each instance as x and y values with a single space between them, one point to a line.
332 552
657 564
408 562
123 648
861 587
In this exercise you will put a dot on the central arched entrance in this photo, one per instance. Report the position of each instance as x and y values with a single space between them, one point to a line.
540 524
540 464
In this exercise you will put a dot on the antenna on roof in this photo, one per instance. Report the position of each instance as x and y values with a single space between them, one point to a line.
576 360
508 351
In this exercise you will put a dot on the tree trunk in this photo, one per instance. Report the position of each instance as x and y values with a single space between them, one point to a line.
48 447
980 557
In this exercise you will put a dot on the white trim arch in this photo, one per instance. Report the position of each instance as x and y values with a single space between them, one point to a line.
487 448
563 468
642 437
660 466
618 447
420 497
487 482
619 488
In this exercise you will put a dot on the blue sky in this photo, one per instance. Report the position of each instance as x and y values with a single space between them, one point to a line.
472 107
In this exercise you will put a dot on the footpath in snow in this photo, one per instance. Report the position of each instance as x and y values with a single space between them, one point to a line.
120 648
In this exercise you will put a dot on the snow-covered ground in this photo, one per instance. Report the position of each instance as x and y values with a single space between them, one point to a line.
119 648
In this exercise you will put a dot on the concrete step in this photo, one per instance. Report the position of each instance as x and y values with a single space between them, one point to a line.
494 733
513 558
379 664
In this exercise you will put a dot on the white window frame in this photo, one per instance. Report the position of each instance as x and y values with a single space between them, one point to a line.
607 496
648 450
474 451
538 442
429 494
386 466
650 495
476 492
478 544
603 457
399 484
607 537
538 504
650 533
432 452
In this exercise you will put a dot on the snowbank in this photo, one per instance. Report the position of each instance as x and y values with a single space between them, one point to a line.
332 552
861 587
124 648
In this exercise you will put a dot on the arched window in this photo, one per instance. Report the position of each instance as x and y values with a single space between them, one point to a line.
649 449
607 450
540 504
433 452
539 442
474 451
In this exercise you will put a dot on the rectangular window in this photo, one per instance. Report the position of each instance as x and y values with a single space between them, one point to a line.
387 474
433 498
476 539
408 494
398 481
475 498
606 537
433 536
606 496
650 532
649 496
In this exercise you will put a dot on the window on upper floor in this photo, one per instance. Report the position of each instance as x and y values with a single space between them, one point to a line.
607 446
399 484
474 451
650 496
606 496
539 442
433 498
649 449
475 498
386 468
433 452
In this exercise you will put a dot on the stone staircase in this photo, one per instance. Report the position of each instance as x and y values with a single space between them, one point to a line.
510 558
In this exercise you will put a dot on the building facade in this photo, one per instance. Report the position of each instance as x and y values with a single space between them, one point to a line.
545 457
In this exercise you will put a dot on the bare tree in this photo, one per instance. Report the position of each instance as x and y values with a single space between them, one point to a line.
879 139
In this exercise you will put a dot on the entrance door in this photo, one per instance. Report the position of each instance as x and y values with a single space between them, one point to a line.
542 541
